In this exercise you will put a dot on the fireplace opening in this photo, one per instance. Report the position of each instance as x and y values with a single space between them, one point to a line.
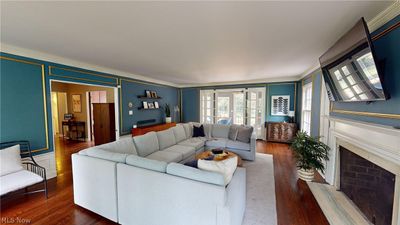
369 186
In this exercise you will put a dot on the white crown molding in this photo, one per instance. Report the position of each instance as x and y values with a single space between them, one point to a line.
385 16
258 81
11 49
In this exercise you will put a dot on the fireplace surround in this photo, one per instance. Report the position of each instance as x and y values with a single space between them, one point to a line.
378 145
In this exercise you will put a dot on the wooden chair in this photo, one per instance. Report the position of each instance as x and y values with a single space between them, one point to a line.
30 165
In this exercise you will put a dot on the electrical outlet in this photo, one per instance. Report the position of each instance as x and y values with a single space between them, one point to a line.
130 112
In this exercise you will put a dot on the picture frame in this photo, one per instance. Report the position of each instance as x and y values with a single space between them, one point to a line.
145 105
151 105
156 105
280 105
148 94
154 94
76 103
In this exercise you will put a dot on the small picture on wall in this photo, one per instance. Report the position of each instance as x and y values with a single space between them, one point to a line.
76 103
156 105
151 105
148 94
280 105
145 106
154 94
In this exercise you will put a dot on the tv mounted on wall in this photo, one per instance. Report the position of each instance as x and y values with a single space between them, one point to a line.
350 69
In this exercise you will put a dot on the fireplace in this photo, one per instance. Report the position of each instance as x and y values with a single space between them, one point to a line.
369 186
364 166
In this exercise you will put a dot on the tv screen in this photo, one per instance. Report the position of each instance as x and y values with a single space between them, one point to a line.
350 69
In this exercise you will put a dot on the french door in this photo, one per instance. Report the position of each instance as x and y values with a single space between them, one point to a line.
234 106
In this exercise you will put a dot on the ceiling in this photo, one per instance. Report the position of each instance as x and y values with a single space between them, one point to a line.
191 43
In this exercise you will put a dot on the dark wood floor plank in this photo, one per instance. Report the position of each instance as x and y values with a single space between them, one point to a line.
295 202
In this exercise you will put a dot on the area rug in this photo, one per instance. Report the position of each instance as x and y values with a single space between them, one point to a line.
260 201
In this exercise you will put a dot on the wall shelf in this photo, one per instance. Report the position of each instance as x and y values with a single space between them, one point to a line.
145 97
141 108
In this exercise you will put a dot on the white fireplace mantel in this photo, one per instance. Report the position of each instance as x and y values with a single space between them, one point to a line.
376 143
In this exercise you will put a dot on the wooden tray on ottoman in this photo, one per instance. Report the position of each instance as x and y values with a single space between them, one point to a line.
229 154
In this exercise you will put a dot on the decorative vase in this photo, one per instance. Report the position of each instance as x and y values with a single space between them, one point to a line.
306 175
168 119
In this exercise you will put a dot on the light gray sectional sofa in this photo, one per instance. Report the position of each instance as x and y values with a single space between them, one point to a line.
142 180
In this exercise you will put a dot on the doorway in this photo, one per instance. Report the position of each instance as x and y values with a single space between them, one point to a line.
72 117
245 106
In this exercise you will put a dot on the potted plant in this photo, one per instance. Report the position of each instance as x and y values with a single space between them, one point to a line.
168 118
310 154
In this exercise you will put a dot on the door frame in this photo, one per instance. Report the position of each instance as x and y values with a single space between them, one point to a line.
116 102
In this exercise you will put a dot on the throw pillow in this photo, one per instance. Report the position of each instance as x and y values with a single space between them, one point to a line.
198 131
244 134
10 160
225 167
233 131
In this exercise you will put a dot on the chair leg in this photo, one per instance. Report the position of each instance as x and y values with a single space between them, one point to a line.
45 189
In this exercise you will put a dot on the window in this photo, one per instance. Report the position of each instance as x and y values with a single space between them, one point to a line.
306 108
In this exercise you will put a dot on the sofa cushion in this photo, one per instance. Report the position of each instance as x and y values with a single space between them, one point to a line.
225 167
10 160
188 129
238 145
123 145
195 174
217 142
107 155
146 144
185 151
166 156
145 163
166 138
207 129
244 134
196 142
220 131
233 131
17 180
179 133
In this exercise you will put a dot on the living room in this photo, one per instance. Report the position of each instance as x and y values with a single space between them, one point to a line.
258 112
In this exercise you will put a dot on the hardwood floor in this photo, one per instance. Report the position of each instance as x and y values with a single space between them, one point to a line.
295 202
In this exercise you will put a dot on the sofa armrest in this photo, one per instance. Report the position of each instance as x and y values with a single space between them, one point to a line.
253 145
94 182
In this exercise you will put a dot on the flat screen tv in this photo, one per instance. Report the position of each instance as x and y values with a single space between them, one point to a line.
350 69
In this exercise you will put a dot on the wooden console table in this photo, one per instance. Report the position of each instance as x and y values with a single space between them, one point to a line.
145 129
77 127
281 132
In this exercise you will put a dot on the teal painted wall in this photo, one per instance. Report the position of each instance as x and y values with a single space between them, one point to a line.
22 107
280 89
191 99
191 104
131 89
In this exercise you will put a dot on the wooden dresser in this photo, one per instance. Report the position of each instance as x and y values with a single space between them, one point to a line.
281 132
104 123
145 129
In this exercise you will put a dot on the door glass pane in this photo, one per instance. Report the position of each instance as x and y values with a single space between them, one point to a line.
223 107
238 108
